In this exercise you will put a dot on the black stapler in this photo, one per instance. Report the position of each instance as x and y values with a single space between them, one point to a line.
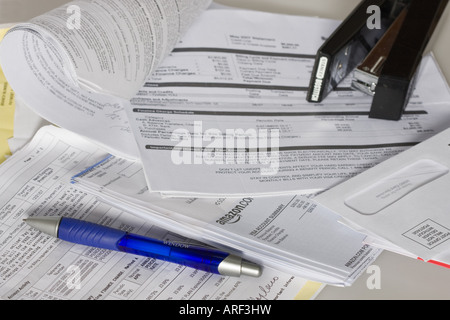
384 59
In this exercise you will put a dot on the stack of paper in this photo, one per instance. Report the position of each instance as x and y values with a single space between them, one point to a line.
225 113
289 233
209 137
36 181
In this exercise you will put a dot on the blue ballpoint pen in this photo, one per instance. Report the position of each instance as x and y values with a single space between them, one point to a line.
94 235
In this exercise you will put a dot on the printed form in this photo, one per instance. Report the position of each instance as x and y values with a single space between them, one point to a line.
35 181
226 112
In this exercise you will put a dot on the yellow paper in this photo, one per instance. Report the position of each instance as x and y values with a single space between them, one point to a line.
2 33
6 112
309 290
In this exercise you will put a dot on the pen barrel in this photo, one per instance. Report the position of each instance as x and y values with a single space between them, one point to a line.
184 254
89 234
94 235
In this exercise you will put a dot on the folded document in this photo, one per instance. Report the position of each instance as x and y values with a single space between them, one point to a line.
290 232
402 204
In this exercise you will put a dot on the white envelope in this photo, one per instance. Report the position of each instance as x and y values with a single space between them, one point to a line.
404 201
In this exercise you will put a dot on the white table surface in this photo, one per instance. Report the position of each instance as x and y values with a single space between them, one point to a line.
400 277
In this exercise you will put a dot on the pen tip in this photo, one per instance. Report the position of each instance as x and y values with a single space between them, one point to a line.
251 269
